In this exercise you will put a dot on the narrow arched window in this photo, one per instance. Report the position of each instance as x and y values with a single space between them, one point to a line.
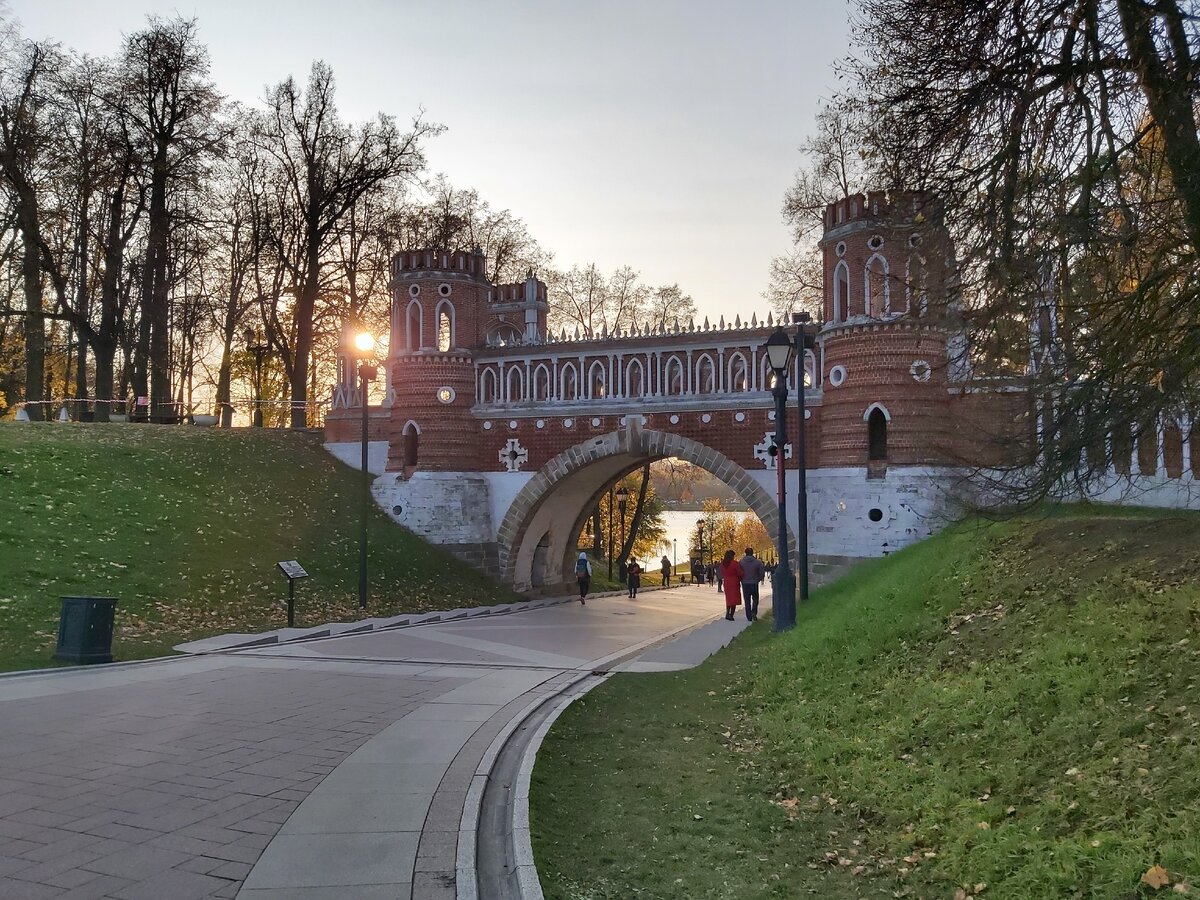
877 428
487 386
541 383
704 376
516 386
596 386
412 329
445 327
412 439
674 377
875 287
841 291
634 386
737 374
569 386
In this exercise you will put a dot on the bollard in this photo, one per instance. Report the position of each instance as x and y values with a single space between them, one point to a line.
85 629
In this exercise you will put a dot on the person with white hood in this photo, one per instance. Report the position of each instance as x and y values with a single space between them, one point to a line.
583 574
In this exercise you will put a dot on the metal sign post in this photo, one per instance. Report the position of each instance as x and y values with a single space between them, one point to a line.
294 572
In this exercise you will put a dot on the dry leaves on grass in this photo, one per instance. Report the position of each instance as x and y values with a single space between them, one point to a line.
1156 877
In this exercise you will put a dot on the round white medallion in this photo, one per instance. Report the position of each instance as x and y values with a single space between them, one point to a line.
487 426
837 376
771 416
512 423
674 420
568 423
706 418
875 242
920 370
414 289
445 395
540 423
840 249
808 414
739 417
595 423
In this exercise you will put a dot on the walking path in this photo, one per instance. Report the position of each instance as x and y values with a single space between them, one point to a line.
330 768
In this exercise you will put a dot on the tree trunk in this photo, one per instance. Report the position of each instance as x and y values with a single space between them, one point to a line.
638 513
106 352
35 322
158 299
597 537
306 305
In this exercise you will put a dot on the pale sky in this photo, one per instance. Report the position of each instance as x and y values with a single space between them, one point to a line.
660 134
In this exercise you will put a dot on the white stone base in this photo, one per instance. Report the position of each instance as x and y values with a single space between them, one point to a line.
442 507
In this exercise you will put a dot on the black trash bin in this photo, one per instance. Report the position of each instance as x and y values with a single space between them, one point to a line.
85 629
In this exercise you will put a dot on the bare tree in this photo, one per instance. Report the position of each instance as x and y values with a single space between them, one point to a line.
318 169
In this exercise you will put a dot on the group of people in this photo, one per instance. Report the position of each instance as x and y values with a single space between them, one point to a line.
739 579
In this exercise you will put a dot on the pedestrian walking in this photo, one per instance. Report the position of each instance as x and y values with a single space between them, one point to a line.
635 577
731 583
666 570
753 574
583 574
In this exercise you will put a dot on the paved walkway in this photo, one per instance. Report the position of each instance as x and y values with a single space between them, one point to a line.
334 768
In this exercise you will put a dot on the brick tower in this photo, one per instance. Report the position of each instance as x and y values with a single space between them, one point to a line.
890 303
444 310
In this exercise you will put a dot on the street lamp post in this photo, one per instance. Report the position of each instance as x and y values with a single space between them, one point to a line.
610 532
622 499
256 345
783 603
804 343
365 343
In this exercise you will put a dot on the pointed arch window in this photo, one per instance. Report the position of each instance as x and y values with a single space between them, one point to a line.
516 386
841 291
674 377
597 383
541 383
876 290
705 382
445 326
737 374
569 389
877 418
487 386
635 379
412 440
413 337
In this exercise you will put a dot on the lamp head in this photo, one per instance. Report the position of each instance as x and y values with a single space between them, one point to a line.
622 495
248 336
779 352
364 342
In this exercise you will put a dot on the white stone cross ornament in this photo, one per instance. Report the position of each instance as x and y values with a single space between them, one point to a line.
763 451
513 455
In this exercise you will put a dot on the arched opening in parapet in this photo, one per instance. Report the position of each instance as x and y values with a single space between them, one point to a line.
412 328
515 385
550 520
596 381
841 291
541 383
487 386
412 439
503 334
737 374
704 375
635 379
570 383
674 378
876 290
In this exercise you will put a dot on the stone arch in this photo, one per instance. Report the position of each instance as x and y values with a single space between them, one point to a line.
550 510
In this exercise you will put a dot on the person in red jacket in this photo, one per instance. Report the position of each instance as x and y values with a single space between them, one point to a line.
731 581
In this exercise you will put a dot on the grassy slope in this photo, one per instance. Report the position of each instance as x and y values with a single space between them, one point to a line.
184 526
1012 706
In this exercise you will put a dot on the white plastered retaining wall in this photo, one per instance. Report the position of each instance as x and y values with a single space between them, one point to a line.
350 452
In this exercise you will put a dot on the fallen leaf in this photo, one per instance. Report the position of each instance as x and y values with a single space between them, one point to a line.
1156 877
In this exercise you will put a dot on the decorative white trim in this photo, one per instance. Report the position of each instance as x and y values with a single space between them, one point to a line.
762 451
739 417
446 394
920 370
408 320
595 423
674 420
487 426
512 455
568 423
887 416
837 376
706 418
840 303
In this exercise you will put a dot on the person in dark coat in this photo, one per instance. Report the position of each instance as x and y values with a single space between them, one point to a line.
753 574
731 582
583 574
635 577
666 570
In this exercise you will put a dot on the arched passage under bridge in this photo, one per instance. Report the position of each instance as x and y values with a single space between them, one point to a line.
539 532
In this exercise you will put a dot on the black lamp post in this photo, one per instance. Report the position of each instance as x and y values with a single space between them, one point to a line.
804 343
365 343
622 499
256 345
783 603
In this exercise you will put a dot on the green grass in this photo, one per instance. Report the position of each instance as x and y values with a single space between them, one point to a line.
1011 706
184 526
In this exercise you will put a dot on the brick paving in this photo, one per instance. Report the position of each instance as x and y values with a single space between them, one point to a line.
169 788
